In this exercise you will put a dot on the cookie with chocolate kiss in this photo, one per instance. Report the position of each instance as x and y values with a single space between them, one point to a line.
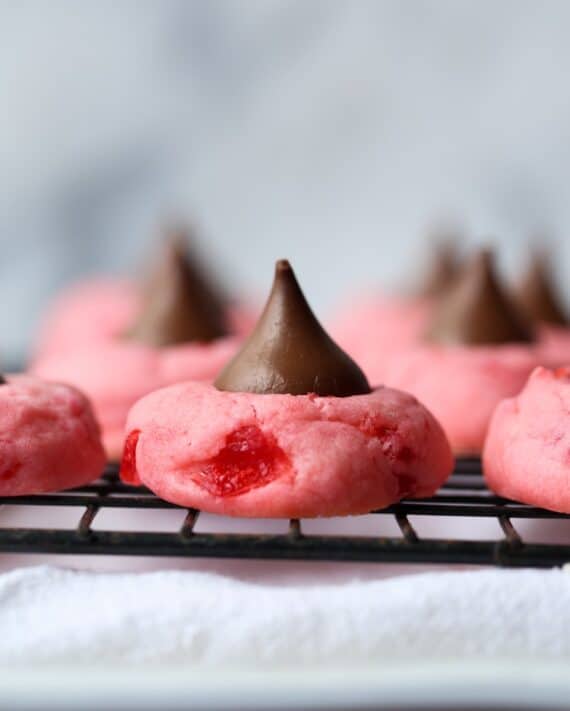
290 428
290 352
150 306
478 350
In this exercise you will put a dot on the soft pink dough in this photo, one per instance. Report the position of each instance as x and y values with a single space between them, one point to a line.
526 455
554 345
87 313
462 385
116 374
340 455
97 310
374 329
49 439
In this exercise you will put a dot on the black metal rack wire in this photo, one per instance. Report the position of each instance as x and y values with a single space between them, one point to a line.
464 495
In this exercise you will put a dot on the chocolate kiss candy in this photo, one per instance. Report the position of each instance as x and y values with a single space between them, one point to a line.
290 352
179 305
2 380
475 310
443 271
537 295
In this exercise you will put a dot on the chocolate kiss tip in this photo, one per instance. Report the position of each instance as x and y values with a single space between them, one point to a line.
476 311
180 305
537 295
289 352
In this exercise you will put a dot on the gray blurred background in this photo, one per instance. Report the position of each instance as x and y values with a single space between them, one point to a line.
332 132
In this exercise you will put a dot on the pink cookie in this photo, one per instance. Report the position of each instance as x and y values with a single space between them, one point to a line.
462 385
374 329
273 455
91 312
526 456
99 310
116 374
49 439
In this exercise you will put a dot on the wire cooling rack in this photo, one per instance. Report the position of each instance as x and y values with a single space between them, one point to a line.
464 495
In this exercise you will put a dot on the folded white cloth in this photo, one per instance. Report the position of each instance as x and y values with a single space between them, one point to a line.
52 615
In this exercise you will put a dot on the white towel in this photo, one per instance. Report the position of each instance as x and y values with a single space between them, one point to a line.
50 615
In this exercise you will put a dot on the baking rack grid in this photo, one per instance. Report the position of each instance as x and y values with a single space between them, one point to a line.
464 495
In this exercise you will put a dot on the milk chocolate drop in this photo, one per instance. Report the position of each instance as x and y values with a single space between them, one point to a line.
179 304
444 269
537 296
476 311
290 352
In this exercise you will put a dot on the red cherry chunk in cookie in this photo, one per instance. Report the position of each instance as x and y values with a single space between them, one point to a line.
128 471
249 459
